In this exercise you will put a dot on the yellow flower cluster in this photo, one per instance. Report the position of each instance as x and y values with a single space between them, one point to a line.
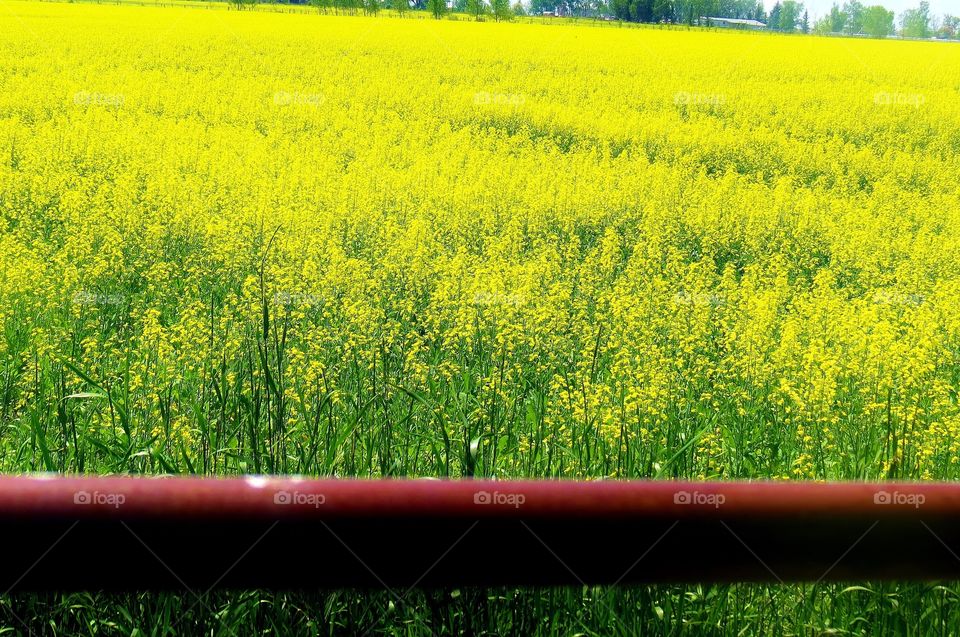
363 245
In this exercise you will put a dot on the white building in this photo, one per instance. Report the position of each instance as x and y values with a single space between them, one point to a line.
733 23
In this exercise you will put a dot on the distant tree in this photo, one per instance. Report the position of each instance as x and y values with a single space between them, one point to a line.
437 7
805 23
591 8
321 5
501 10
400 6
371 7
641 10
822 26
915 23
837 19
759 13
518 9
877 21
854 11
791 13
476 8
774 21
578 7
662 11
949 28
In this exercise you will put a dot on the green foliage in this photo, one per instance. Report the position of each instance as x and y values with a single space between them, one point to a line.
773 23
438 8
916 22
837 19
877 22
501 10
537 7
791 13
853 12
476 8
949 28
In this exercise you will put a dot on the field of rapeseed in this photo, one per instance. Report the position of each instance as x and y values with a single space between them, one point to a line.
242 242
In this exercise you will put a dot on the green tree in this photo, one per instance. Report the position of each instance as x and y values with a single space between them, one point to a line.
774 22
915 23
791 13
518 9
401 6
805 23
949 28
537 7
501 10
476 8
877 21
854 11
437 7
641 10
663 11
837 19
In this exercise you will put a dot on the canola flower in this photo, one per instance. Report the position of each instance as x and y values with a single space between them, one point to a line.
238 241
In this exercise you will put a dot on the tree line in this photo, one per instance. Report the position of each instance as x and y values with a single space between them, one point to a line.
853 18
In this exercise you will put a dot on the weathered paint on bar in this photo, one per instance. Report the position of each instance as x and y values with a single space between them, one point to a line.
123 533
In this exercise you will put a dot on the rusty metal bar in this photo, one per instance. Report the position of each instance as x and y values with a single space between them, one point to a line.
123 533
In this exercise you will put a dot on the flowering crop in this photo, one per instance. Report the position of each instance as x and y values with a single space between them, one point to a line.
239 241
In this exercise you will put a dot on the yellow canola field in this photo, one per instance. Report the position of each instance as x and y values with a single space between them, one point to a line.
353 245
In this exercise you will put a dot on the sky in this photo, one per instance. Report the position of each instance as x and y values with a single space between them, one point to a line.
937 7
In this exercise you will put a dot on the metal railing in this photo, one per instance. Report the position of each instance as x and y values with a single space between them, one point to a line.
123 533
